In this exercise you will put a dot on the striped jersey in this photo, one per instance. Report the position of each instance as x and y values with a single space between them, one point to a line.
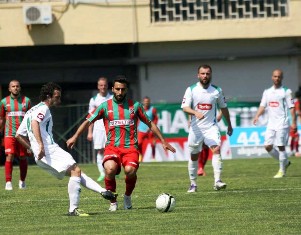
120 120
13 110
206 101
95 101
277 102
152 113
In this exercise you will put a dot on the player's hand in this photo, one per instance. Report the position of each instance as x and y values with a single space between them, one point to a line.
41 153
90 137
70 143
199 115
255 120
230 130
167 146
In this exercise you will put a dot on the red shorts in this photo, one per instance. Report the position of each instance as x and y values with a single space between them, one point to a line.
122 156
145 135
294 133
12 146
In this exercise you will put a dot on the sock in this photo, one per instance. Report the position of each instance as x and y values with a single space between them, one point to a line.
23 165
192 171
130 185
111 185
74 192
8 171
282 161
154 151
89 183
217 165
99 160
274 153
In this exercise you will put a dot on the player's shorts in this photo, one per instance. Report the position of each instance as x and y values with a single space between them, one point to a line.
294 133
122 156
210 137
277 138
12 146
56 162
99 138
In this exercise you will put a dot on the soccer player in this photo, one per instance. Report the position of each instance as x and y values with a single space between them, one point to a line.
201 101
37 126
277 100
12 111
120 116
144 133
96 131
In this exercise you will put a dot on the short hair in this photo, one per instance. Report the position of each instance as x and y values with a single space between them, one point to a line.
121 79
48 89
102 79
205 66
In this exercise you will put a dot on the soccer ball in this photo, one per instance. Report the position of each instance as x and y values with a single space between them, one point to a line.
165 202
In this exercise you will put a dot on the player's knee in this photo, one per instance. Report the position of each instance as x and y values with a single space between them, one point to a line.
130 171
216 149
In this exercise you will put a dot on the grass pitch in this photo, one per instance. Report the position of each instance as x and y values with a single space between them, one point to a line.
253 203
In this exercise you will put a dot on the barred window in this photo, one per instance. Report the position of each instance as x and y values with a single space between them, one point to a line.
188 10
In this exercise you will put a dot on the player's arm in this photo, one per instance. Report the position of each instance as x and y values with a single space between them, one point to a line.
260 111
35 126
23 140
225 113
2 124
83 127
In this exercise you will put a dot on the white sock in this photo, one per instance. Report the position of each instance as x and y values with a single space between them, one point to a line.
282 160
89 183
74 192
99 159
274 153
192 171
217 165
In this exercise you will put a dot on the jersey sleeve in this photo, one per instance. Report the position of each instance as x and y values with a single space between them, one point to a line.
40 114
187 99
221 100
96 114
289 99
263 101
2 109
142 114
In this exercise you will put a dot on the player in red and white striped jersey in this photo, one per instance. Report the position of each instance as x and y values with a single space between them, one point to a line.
12 111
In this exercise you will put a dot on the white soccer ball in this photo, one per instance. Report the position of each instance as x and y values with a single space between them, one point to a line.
165 202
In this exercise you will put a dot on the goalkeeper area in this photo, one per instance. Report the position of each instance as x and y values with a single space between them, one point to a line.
253 203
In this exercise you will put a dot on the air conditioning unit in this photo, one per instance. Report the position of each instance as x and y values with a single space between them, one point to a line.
37 14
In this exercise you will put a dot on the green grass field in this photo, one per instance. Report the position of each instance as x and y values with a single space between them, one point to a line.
253 203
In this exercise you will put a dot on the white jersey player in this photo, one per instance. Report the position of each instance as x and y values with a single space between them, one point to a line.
96 131
37 127
277 101
202 101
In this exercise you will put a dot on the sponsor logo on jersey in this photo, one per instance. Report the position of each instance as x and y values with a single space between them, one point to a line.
15 113
274 104
23 105
40 116
7 150
132 111
125 122
204 106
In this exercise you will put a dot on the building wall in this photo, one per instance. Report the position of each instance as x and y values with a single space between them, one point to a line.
129 21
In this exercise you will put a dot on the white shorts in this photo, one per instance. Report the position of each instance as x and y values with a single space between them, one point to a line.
57 161
277 138
99 139
210 137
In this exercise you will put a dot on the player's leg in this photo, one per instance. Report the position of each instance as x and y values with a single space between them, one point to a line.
152 139
142 136
10 153
195 143
23 165
281 141
99 140
112 166
269 138
130 162
213 140
203 157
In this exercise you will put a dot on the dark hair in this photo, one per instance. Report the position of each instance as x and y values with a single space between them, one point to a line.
205 66
47 90
121 79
